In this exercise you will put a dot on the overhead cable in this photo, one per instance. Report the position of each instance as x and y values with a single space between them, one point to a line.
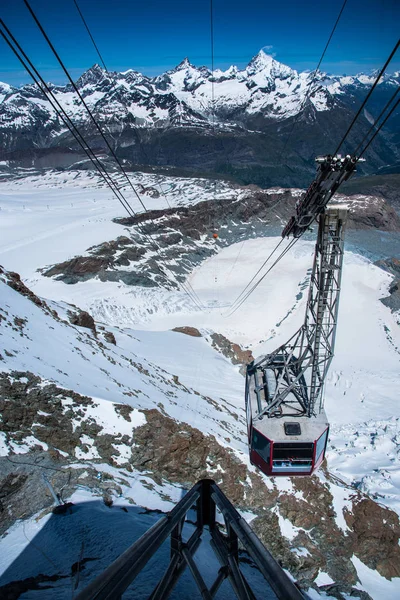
255 275
195 297
61 113
82 100
374 124
381 72
243 296
314 78
212 62
114 82
257 283
90 35
49 95
379 128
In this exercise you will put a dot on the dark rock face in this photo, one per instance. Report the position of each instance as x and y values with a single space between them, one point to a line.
46 412
173 451
393 301
79 269
105 262
9 486
21 398
234 352
392 265
371 212
377 548
13 280
384 185
109 255
83 319
192 331
184 236
178 453
110 337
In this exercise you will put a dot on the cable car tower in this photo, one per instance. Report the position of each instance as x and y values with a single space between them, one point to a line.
287 424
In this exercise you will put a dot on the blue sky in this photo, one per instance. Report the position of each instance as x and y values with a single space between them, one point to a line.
152 36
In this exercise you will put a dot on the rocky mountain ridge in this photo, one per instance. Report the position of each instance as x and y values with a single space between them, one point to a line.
192 118
184 236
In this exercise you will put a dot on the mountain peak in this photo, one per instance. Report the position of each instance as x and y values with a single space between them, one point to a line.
92 75
261 60
184 65
264 65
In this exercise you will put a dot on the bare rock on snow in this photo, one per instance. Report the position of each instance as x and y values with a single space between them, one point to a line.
192 331
234 352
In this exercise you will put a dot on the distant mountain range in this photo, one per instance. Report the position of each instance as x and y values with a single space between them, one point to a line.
234 122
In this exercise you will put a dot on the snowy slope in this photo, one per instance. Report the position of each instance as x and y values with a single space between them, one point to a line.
151 365
73 359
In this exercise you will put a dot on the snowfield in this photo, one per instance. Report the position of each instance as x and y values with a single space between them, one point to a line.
44 220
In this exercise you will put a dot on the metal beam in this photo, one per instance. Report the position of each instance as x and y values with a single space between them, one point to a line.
111 584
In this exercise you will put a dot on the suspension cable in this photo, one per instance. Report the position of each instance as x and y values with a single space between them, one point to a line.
242 298
193 294
313 79
90 35
82 100
257 283
212 64
367 96
260 269
379 128
113 84
374 124
60 112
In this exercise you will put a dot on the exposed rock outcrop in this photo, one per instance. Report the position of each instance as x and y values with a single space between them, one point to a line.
55 418
83 319
110 337
13 280
184 235
234 352
192 331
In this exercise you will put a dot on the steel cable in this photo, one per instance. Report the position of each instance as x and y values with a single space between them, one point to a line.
282 254
90 35
376 120
379 128
193 292
367 97
61 113
313 79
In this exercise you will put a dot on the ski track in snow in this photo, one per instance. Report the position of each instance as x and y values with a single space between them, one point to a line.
48 219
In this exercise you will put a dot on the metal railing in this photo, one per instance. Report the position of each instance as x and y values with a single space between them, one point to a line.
206 497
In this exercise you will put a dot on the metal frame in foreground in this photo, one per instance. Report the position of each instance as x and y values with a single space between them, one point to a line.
205 497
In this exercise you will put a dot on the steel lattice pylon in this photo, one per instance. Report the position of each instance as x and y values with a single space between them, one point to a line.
293 375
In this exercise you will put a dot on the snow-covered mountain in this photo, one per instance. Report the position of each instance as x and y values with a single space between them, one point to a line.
133 405
261 99
183 95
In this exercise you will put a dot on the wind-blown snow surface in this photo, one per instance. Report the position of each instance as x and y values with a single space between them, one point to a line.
39 226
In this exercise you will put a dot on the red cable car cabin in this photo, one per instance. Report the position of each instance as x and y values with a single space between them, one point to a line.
287 425
283 444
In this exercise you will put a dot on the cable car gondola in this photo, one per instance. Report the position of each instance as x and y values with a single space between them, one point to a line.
286 423
285 441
